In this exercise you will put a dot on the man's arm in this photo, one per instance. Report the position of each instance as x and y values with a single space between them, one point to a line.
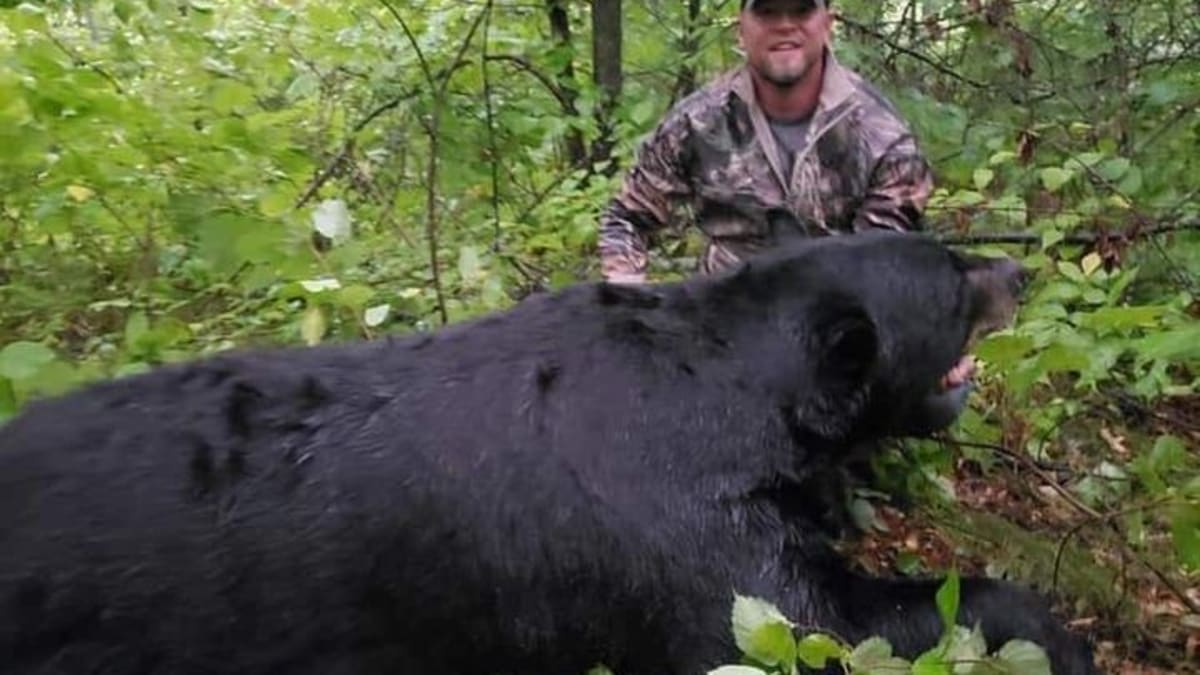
643 204
899 190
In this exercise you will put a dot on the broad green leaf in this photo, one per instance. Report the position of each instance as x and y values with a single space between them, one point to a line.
965 649
1179 343
1113 169
1051 236
1071 271
1090 263
1054 178
737 670
22 360
80 193
1123 318
773 644
1059 357
983 178
332 219
375 316
874 655
816 650
1024 658
1168 454
930 664
749 615
1004 350
355 297
1185 533
1119 202
1002 157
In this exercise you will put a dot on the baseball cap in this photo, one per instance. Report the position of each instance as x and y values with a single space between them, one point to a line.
805 4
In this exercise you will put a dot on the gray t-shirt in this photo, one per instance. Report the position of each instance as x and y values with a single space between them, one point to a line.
790 137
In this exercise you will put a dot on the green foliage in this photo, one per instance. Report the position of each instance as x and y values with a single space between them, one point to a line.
765 637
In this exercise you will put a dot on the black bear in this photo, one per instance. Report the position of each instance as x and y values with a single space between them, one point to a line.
587 478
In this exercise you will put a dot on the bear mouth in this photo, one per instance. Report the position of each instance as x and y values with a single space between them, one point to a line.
961 375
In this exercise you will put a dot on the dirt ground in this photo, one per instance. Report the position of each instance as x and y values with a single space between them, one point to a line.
1151 633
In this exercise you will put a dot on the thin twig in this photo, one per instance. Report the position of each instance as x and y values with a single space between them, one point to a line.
1075 238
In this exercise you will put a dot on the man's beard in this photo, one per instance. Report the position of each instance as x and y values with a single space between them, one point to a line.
784 76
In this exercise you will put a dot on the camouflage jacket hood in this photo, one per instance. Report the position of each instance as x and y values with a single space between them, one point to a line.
858 167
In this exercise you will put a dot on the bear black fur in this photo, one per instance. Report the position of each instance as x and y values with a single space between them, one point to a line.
586 478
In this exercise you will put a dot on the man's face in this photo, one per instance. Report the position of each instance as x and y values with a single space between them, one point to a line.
783 39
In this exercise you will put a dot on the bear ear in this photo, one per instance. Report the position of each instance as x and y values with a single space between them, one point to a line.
849 345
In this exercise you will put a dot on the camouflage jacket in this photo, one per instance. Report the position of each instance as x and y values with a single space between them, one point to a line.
858 167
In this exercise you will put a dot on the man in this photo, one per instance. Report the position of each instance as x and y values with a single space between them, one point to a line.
789 144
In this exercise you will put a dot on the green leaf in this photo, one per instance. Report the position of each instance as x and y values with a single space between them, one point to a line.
1185 533
23 360
947 600
355 297
1059 357
1071 271
136 328
1054 178
1123 318
375 316
964 198
1051 236
816 649
737 670
1168 454
749 615
1004 350
1022 657
773 644
930 664
1002 157
8 400
875 655
1177 344
313 326
332 219
1113 169
983 178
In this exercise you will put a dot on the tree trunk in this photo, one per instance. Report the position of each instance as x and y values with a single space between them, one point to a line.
606 64
560 28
